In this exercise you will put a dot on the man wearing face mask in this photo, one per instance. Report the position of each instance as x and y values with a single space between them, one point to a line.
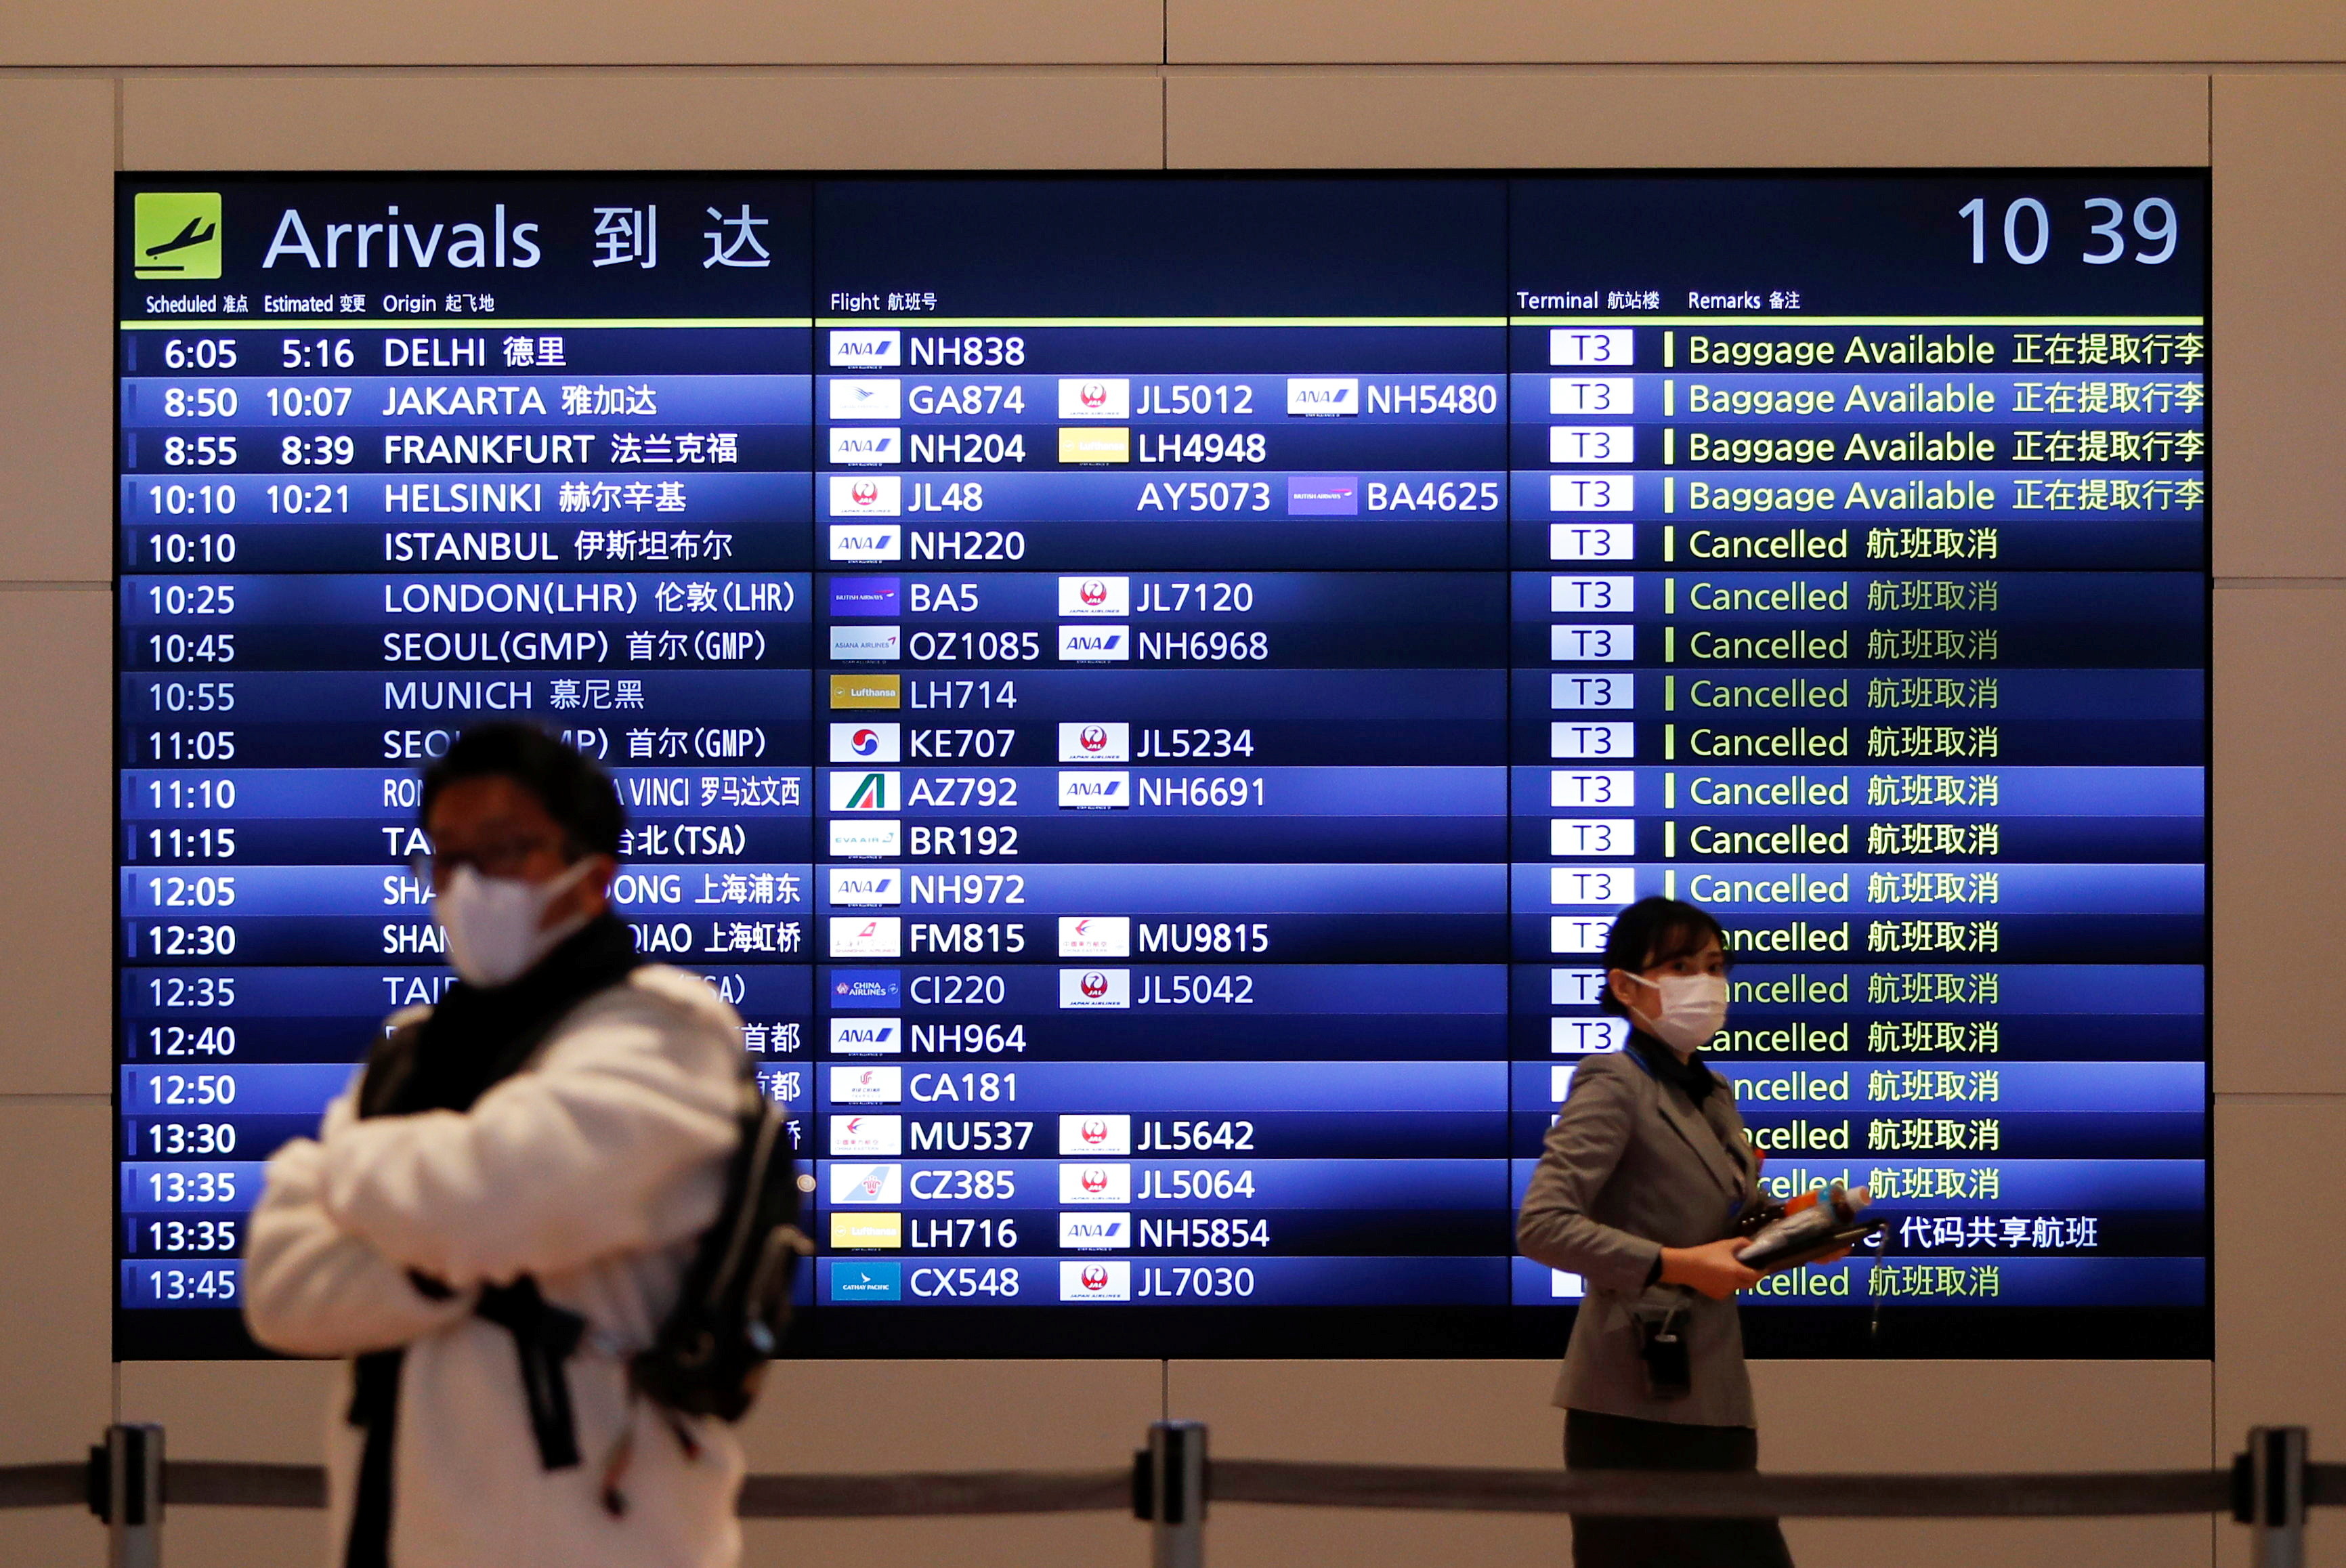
497 1215
1639 1189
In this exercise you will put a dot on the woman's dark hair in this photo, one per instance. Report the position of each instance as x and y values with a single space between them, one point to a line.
575 792
1656 931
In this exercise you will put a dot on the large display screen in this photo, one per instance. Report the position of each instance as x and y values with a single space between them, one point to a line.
1145 693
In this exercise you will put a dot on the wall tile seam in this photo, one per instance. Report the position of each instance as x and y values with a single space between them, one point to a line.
55 1097
226 71
56 585
2311 1097
2307 581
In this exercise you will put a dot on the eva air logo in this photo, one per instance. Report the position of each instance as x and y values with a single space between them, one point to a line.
176 234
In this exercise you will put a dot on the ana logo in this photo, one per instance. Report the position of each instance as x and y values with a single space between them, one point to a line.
852 886
871 541
1085 988
867 1036
1095 792
1095 1231
176 234
852 445
874 346
1095 742
1095 645
1324 396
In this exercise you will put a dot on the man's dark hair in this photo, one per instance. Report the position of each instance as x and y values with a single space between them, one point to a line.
575 792
1656 931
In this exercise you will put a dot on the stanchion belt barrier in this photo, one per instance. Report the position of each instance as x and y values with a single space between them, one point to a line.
1673 1493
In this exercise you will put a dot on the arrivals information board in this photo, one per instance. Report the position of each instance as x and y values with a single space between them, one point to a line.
1144 693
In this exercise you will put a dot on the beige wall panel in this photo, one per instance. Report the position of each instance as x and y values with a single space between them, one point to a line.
56 1159
2280 337
56 794
273 1411
1573 31
1583 119
2277 842
57 187
1990 1415
2280 1286
648 119
582 33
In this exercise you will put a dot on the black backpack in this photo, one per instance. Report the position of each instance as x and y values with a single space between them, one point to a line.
728 1321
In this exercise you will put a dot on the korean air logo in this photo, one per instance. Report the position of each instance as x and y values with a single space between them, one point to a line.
1085 398
1095 792
862 1085
867 542
1323 396
1096 595
866 742
872 347
883 399
1084 988
852 791
1095 936
1096 1134
867 936
1082 1181
1095 1232
867 1036
856 887
867 1183
1106 1280
866 494
1095 743
1095 645
867 1134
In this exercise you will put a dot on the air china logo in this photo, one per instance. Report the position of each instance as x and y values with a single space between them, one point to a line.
1107 1183
861 1134
1106 1280
1095 988
1096 1134
1095 743
866 742
1095 645
1095 1232
861 936
871 347
867 400
1096 595
1095 399
1095 936
866 494
1095 792
866 1086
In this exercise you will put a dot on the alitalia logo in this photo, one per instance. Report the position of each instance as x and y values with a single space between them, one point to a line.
852 791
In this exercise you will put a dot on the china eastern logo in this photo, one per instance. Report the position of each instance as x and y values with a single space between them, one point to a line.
176 234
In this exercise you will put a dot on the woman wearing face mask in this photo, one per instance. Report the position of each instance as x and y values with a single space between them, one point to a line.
1638 1190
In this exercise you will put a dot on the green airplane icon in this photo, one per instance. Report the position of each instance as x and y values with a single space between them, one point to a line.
185 237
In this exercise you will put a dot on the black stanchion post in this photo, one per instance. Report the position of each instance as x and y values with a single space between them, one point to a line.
2268 1496
1168 1490
126 1492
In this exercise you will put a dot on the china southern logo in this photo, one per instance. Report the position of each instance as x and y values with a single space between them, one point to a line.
176 234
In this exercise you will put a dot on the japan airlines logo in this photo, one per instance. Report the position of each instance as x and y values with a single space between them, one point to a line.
870 542
1088 1183
867 400
853 887
867 1183
865 791
866 742
1096 1134
867 1036
859 1085
870 347
1109 1280
1095 792
1095 1232
1095 988
1095 936
1087 399
877 936
866 494
861 1134
1096 595
1323 396
1095 645
1095 743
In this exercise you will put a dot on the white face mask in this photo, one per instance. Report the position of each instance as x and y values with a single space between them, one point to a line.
492 923
1693 1008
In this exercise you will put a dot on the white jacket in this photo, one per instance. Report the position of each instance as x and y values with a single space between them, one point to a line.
593 1170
